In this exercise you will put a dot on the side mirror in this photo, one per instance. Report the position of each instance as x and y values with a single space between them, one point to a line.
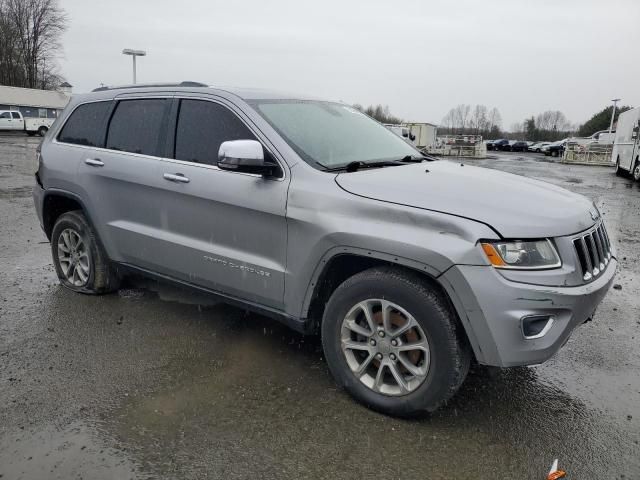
245 156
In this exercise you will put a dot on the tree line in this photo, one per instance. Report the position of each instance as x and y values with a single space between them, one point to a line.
471 120
30 33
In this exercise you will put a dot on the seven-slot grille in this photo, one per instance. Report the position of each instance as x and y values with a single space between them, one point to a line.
594 251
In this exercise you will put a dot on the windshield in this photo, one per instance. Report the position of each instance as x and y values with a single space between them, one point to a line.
332 135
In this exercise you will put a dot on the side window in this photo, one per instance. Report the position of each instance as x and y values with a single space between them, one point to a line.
5 115
15 115
202 126
85 126
135 126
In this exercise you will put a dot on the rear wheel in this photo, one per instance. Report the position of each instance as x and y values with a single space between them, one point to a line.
620 172
393 342
79 260
42 131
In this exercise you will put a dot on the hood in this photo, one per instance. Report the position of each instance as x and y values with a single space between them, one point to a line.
515 206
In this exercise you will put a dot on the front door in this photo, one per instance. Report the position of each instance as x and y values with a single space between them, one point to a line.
6 122
222 230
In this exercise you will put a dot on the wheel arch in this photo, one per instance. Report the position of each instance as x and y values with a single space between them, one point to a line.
58 202
343 262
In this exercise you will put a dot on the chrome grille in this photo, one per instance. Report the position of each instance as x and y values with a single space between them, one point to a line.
594 251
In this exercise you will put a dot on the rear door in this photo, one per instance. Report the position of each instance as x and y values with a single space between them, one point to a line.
18 122
122 183
220 229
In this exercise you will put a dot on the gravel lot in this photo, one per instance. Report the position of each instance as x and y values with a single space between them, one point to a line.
157 382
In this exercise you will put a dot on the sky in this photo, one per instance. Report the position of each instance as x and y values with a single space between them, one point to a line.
420 58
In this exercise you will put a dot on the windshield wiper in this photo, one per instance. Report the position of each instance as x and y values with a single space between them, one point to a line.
357 165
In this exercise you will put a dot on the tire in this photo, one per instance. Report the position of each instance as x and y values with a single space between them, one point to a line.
42 131
445 363
620 172
554 153
636 171
93 273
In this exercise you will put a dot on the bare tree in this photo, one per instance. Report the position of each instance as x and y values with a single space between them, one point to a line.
30 32
495 119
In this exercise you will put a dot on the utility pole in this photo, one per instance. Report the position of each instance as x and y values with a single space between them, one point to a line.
134 54
613 113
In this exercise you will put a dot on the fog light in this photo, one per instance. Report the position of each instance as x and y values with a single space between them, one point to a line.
536 326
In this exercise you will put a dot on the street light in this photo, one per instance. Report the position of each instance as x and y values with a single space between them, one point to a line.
613 113
134 54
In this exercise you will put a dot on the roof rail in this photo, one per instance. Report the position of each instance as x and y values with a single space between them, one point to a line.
186 83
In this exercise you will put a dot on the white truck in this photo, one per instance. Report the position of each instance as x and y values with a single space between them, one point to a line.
12 120
626 145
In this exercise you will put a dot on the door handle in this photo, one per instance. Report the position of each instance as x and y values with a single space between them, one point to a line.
94 162
176 177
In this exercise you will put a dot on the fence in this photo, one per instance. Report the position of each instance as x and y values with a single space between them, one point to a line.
589 154
459 146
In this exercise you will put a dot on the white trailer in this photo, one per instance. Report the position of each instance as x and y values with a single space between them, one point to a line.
422 135
11 120
626 146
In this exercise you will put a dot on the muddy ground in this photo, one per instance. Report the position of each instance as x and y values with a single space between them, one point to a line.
155 382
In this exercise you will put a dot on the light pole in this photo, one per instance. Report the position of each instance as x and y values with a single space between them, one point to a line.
613 113
134 54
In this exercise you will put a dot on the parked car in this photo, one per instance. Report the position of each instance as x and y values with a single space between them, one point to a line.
407 266
555 149
12 120
489 144
502 144
519 146
537 147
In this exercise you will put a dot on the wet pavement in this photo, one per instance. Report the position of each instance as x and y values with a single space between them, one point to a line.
156 382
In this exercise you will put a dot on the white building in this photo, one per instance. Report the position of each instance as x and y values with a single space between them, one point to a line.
33 102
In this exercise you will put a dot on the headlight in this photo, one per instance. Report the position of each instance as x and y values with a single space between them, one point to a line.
522 254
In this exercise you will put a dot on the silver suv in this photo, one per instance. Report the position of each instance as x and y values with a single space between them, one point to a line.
313 213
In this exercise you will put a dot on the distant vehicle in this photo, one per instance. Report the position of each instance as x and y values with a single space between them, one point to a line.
502 144
422 135
12 120
537 147
626 148
489 144
519 146
399 130
555 149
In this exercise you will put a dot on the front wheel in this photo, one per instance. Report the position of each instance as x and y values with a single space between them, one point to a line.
79 260
636 171
394 342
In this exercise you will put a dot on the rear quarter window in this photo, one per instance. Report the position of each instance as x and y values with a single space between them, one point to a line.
85 125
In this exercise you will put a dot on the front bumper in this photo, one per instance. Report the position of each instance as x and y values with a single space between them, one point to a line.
491 308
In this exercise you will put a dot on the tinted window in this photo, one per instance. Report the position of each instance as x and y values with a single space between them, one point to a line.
202 127
85 126
15 115
5 115
135 126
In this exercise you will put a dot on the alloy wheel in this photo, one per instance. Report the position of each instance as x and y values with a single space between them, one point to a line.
385 347
73 257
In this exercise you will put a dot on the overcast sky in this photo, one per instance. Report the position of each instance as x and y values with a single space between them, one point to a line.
419 57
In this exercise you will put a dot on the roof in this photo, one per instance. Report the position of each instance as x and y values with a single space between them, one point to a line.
189 86
66 85
31 97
